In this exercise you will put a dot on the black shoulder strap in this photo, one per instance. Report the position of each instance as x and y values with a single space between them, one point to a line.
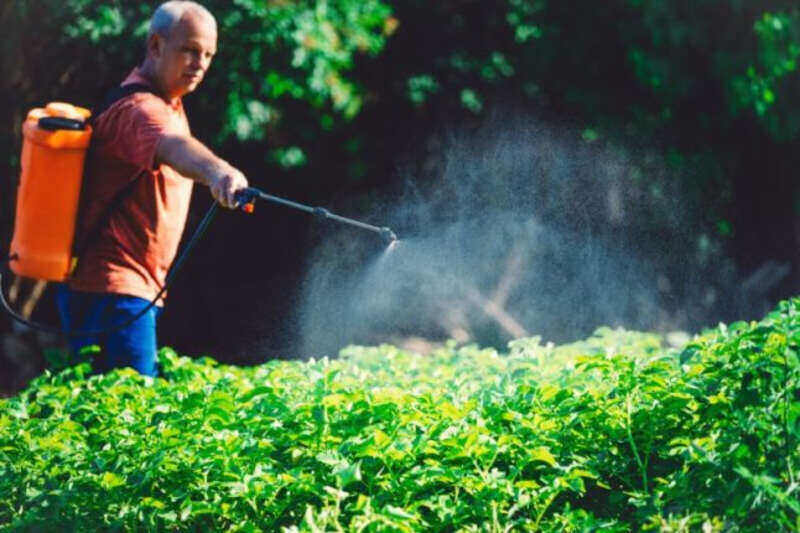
118 93
113 96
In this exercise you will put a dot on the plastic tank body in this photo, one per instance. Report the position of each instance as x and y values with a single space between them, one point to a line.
53 153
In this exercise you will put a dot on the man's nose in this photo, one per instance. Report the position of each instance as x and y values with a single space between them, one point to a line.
201 63
198 62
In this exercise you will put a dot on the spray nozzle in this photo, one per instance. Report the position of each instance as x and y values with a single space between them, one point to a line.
388 235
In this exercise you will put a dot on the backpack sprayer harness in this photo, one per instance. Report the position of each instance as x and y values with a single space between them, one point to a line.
56 140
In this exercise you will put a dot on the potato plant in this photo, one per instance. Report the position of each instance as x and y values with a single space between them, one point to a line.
614 433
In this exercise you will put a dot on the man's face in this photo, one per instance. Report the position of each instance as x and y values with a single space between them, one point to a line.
182 59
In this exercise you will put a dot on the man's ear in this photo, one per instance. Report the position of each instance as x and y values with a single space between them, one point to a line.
155 45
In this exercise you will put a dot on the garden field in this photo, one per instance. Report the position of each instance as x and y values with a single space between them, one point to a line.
615 433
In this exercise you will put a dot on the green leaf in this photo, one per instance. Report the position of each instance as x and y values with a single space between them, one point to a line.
543 455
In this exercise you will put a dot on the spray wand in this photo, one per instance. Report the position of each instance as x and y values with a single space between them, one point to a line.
247 197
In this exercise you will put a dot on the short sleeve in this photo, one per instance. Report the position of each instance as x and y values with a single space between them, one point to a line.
134 126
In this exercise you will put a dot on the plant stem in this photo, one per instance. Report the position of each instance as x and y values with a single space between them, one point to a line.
633 444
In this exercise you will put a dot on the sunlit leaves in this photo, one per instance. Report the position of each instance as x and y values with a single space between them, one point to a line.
109 22
419 88
778 53
612 433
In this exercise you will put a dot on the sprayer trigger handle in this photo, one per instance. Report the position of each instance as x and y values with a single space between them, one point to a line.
246 199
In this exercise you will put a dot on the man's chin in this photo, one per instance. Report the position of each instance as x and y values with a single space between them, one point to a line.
188 88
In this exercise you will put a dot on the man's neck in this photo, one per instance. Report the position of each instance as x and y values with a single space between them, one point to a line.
147 71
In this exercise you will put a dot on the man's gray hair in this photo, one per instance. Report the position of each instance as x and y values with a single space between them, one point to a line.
170 13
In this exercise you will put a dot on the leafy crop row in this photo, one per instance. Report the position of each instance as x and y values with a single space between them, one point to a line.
614 433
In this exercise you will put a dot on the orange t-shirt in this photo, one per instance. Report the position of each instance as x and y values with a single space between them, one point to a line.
133 250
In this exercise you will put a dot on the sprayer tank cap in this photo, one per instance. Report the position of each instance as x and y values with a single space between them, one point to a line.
65 110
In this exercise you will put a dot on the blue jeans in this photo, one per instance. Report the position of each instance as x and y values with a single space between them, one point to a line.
133 346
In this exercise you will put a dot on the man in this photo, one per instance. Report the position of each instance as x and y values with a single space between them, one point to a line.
143 152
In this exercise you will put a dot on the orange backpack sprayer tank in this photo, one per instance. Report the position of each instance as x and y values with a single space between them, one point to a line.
56 139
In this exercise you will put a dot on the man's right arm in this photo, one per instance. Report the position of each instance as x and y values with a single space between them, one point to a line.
191 158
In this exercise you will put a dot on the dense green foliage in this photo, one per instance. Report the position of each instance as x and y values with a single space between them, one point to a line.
615 433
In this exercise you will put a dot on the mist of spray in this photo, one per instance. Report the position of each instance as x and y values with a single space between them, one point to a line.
510 229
